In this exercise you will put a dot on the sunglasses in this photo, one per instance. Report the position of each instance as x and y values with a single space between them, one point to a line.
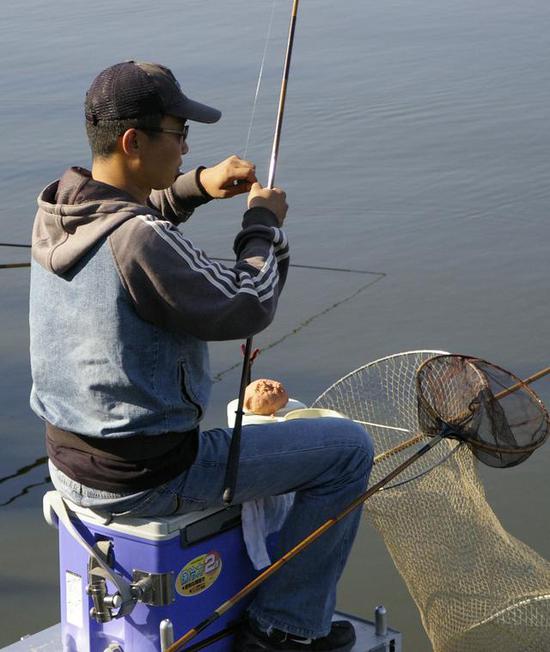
182 134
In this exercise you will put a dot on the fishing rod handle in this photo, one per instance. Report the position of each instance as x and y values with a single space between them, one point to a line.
232 468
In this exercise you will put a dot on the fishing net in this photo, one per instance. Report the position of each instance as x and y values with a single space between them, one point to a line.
500 418
477 588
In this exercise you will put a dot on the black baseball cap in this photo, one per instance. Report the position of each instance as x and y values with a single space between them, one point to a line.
133 89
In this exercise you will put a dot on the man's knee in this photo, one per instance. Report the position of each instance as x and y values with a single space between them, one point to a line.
358 444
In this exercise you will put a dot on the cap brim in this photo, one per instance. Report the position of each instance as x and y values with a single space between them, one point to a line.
191 110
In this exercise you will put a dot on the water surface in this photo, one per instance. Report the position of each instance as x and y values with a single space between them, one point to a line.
415 144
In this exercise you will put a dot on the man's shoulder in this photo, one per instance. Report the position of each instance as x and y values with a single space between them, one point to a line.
146 235
145 223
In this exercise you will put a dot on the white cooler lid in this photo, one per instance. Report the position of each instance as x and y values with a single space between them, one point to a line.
155 529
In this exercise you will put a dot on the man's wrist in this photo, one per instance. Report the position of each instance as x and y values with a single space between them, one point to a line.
259 215
198 181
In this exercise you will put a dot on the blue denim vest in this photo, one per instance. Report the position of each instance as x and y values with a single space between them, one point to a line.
98 368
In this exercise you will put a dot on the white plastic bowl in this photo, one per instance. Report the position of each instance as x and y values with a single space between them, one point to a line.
250 418
312 413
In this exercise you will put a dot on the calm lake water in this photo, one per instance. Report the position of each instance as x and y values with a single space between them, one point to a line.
415 145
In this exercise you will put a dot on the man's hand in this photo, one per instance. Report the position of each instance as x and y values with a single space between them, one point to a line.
231 177
274 200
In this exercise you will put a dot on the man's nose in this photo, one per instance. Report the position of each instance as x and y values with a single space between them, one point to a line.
184 148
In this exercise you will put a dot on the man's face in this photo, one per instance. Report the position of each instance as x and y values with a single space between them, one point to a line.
162 153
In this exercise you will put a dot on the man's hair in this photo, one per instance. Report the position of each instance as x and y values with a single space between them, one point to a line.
103 136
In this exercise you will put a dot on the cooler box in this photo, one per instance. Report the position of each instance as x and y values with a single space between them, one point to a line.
197 562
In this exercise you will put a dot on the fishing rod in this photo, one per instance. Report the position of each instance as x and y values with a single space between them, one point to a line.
447 431
313 267
319 268
234 448
347 270
14 265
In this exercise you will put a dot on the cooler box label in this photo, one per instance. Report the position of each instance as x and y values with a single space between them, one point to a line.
199 574
73 592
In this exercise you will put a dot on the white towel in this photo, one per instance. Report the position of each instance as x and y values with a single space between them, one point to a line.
260 518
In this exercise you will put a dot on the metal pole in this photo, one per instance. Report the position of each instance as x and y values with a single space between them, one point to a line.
166 630
381 620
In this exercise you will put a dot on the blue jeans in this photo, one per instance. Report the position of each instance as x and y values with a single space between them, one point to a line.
325 461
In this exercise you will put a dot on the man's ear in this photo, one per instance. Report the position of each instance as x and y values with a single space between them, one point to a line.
130 142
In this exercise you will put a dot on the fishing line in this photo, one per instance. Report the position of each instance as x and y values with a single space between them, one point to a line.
259 83
319 268
218 377
303 325
313 267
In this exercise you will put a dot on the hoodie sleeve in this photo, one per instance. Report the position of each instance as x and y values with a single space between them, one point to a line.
178 202
176 286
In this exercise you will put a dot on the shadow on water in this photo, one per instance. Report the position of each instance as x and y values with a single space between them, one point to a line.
23 471
26 490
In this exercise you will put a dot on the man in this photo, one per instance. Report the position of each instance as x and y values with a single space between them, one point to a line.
122 306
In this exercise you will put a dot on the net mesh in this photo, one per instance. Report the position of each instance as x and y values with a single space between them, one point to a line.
500 418
477 588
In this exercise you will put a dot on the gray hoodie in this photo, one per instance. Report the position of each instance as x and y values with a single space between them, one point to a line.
122 305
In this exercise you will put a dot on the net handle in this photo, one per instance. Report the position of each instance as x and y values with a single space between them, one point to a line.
400 447
527 381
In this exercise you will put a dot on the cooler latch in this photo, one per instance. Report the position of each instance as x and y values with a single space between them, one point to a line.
153 589
104 604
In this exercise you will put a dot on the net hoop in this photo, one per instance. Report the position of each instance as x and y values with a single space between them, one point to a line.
518 384
433 354
397 433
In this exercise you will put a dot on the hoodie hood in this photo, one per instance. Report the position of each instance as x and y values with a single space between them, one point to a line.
74 214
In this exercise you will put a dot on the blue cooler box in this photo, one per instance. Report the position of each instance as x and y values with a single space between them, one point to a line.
200 559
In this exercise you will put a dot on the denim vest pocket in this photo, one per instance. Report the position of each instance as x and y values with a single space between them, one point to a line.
187 394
